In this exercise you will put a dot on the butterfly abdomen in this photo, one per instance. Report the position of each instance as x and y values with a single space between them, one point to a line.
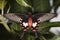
30 22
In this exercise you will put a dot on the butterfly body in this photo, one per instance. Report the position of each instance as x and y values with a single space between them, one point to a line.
30 22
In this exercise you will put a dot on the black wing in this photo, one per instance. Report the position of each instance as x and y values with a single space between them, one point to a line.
17 17
42 17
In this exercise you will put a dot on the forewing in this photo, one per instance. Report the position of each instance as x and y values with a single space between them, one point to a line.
17 17
42 17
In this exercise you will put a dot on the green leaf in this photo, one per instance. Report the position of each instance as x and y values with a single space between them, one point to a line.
42 38
23 3
44 27
49 24
16 8
2 4
30 37
55 38
5 24
56 4
16 26
41 5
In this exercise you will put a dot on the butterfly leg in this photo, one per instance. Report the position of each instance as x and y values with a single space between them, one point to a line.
36 32
22 34
23 31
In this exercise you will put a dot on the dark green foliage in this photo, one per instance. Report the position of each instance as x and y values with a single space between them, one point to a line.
42 6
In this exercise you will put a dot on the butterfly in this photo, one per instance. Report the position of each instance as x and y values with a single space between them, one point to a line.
30 21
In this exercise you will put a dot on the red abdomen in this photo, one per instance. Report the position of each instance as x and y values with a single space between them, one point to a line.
30 22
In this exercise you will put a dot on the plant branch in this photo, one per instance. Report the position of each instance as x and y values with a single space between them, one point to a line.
4 23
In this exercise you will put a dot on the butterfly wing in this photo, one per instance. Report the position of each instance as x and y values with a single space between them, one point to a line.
42 17
16 17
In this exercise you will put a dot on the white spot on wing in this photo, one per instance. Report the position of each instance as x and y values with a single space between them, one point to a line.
34 24
25 24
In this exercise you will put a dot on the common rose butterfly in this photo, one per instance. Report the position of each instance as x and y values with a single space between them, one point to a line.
30 21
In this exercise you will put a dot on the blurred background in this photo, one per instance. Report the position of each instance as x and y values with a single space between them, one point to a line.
55 30
9 30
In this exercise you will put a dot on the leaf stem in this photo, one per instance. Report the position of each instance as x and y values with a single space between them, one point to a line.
4 23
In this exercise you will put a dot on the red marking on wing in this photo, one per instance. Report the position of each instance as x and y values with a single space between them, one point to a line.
25 30
34 30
